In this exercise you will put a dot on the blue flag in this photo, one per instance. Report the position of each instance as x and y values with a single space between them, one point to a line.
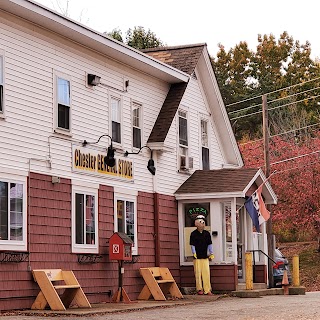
253 213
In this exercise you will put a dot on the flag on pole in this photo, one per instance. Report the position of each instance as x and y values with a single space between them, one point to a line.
257 209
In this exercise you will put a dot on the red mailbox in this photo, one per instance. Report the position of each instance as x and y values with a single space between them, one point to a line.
120 247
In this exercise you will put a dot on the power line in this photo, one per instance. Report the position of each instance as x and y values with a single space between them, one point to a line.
293 95
297 167
268 93
282 133
275 100
295 85
297 157
246 115
285 105
272 101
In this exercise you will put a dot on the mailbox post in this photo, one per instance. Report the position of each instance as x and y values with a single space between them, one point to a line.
120 249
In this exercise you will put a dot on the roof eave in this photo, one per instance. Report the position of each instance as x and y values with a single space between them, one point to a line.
75 31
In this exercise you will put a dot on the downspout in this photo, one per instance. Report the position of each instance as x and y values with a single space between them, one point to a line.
156 234
156 229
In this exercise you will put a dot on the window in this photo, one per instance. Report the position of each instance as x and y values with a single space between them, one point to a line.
12 216
85 226
227 254
136 125
205 145
1 84
63 87
183 140
126 217
116 120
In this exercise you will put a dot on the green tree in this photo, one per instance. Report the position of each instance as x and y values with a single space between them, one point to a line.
115 34
139 38
275 64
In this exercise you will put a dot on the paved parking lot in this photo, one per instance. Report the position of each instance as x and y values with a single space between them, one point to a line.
291 307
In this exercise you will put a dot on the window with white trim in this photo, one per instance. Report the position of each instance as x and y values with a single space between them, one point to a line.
183 140
85 221
136 125
227 253
62 94
126 218
115 119
1 83
13 215
205 145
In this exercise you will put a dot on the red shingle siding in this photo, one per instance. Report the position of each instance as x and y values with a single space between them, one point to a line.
223 278
169 235
50 247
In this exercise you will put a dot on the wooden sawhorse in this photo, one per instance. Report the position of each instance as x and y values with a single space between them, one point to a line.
158 282
48 294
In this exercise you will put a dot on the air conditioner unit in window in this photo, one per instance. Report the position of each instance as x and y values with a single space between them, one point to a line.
186 163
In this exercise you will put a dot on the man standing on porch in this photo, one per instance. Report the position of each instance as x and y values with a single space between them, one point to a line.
202 250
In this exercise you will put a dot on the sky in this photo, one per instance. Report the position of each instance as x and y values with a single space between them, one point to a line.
181 22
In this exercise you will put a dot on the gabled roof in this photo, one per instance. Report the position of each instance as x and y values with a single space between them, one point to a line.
184 58
195 60
225 182
167 113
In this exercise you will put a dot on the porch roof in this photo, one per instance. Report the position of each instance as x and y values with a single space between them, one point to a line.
223 183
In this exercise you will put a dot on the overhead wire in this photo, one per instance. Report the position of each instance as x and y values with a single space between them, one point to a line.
293 158
282 133
275 100
297 167
268 93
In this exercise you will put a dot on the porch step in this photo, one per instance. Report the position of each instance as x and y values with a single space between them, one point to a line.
256 286
256 293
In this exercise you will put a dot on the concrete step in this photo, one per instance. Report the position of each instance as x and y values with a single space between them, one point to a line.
256 293
256 286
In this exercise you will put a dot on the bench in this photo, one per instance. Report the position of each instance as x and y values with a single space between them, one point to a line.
55 281
158 283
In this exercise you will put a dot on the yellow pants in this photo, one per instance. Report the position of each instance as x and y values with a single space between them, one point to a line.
202 274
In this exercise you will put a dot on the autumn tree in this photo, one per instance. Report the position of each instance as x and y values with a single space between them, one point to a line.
296 175
275 64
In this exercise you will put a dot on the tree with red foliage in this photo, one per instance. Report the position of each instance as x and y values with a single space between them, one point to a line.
296 179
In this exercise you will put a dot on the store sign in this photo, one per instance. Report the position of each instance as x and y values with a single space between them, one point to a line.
195 211
92 161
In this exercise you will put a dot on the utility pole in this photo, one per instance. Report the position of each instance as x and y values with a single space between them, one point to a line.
265 125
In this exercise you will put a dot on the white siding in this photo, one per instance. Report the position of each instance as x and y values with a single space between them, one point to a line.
33 56
170 179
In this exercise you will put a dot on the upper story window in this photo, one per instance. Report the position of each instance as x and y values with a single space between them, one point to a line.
85 221
63 87
116 119
125 216
62 96
183 140
136 125
205 145
12 215
1 83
